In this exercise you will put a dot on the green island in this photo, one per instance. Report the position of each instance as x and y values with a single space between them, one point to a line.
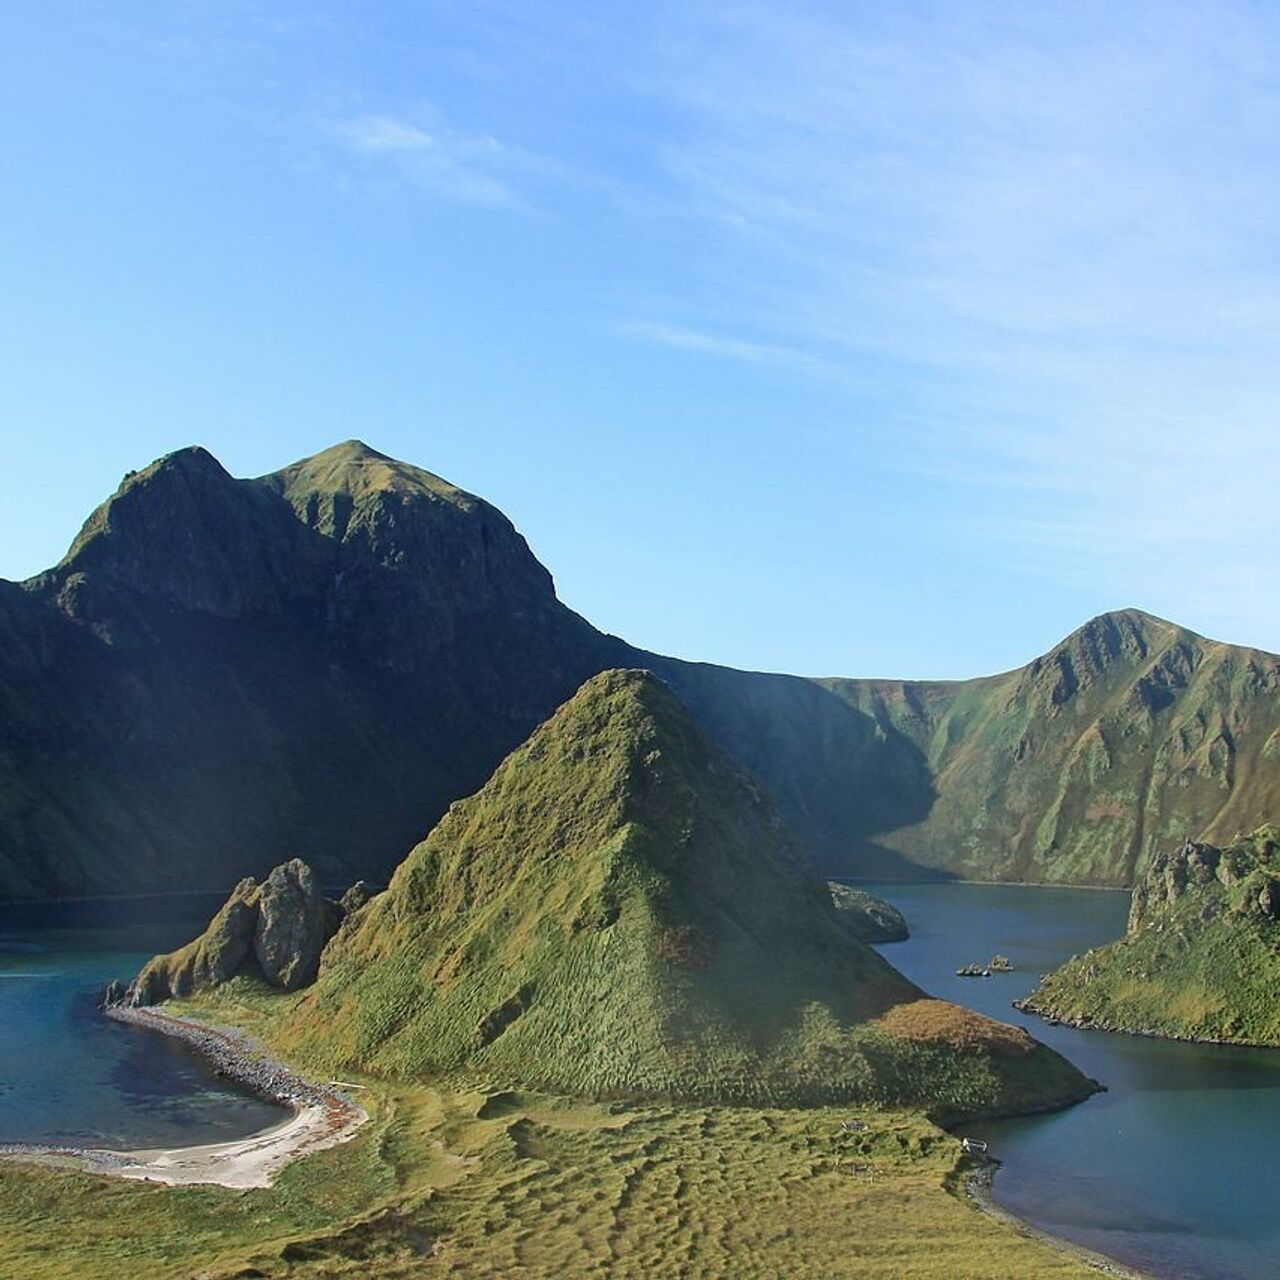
1200 959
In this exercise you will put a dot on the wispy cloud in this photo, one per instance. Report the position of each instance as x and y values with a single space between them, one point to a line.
724 347
1048 231
378 135
460 166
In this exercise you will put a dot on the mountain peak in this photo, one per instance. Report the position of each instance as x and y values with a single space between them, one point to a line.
354 470
353 450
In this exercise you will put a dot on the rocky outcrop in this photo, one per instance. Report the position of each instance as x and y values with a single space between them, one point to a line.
275 931
1201 958
869 919
355 897
294 922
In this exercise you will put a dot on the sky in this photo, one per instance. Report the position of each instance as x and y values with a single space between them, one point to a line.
851 338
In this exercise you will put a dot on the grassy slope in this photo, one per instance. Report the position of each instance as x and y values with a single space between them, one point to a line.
1078 767
618 912
1204 966
475 1183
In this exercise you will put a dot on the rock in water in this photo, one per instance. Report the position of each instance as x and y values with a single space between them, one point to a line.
356 897
870 919
294 922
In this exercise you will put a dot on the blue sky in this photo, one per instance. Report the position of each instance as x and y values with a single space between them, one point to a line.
833 338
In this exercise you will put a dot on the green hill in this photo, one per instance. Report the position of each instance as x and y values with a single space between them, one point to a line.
1201 958
619 912
222 671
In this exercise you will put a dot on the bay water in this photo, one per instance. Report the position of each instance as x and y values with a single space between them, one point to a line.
1176 1168
71 1077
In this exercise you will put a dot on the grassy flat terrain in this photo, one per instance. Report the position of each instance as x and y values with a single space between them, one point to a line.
459 1179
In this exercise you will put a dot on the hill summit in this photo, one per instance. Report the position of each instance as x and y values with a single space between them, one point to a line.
620 912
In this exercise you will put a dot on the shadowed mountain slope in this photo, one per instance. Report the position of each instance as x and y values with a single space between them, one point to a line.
618 911
223 672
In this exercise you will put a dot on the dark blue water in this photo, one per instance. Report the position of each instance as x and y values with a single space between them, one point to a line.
1176 1169
69 1076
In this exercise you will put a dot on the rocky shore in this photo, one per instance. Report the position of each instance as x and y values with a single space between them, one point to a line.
977 1187
1084 1022
233 1055
320 1116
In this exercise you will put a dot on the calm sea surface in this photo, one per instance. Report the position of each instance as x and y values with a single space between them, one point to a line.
69 1076
1177 1167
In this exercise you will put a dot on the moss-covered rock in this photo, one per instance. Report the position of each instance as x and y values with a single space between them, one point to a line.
275 930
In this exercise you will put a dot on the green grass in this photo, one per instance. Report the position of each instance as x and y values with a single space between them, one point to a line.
473 1182
1201 962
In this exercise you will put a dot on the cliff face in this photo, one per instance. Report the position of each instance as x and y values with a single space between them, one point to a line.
1201 958
274 931
222 669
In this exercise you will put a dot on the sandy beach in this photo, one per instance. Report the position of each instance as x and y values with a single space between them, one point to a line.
322 1116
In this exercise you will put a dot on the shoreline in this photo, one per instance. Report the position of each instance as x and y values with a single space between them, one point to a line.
990 884
320 1116
978 1184
1077 1024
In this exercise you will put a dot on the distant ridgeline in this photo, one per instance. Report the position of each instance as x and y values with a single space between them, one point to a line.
619 912
221 671
1201 959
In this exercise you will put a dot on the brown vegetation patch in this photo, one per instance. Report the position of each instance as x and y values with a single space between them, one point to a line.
685 946
939 1022
1100 809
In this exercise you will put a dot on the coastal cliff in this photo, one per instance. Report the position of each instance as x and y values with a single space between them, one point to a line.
1200 959
274 931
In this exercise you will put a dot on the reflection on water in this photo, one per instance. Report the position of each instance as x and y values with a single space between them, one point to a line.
69 1076
1172 1168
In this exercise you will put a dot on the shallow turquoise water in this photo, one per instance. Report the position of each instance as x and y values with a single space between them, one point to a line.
69 1076
1177 1167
